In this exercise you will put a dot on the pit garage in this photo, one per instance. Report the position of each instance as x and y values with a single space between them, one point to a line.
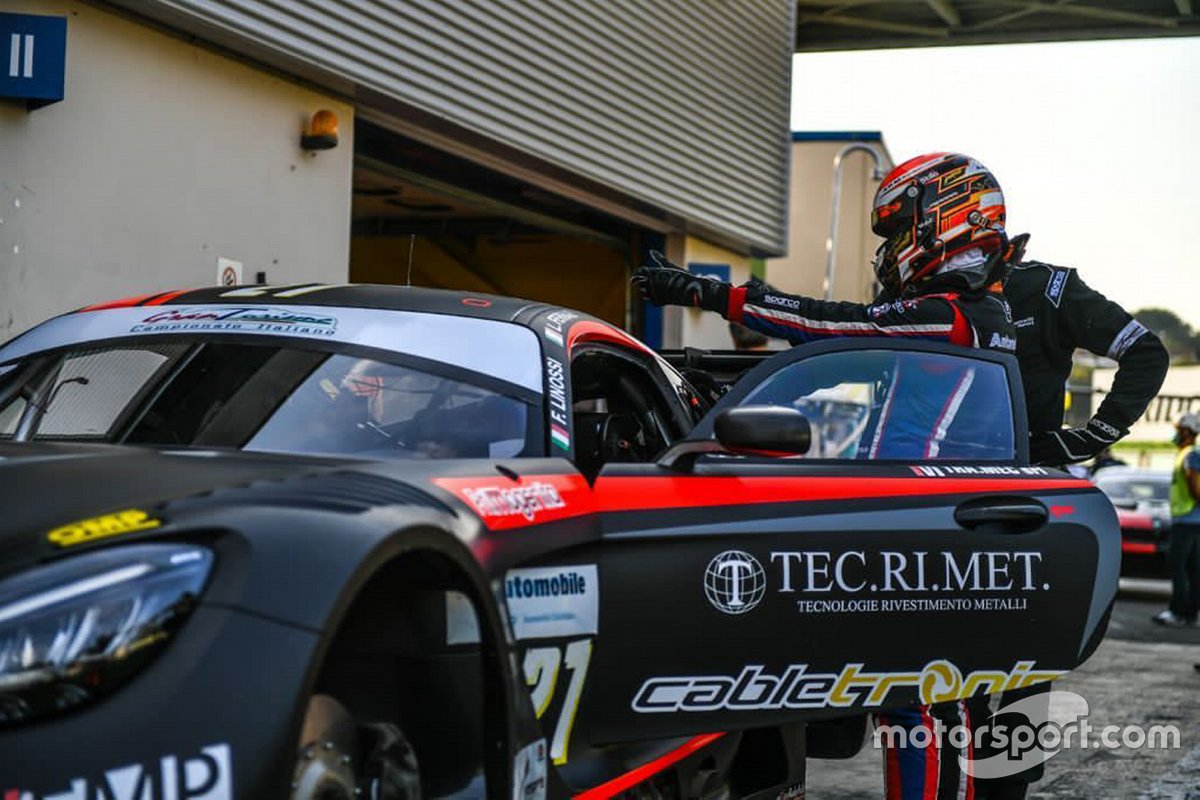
425 217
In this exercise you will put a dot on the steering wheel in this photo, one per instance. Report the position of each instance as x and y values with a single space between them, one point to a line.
622 439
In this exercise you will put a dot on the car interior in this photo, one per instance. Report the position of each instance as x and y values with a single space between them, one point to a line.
620 413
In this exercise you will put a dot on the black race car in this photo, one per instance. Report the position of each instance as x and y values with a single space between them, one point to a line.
294 542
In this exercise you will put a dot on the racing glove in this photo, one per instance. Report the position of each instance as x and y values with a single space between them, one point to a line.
664 283
1072 445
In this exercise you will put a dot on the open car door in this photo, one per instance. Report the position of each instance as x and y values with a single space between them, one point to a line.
909 555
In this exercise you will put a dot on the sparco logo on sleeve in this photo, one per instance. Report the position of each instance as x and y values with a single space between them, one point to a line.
1054 289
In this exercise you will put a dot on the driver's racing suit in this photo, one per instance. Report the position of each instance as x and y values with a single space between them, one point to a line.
978 319
1056 312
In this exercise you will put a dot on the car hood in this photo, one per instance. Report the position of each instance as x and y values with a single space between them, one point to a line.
44 486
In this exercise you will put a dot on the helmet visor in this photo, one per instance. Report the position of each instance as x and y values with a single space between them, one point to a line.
887 261
888 218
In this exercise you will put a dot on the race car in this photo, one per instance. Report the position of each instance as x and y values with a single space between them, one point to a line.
1141 498
335 541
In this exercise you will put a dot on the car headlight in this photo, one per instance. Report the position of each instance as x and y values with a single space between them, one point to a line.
74 630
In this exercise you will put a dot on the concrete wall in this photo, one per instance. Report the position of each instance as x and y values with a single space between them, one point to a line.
803 270
162 158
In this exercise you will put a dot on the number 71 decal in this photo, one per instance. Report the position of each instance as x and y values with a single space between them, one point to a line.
542 667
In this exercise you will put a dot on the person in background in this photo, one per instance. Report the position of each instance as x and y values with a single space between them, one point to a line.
1184 553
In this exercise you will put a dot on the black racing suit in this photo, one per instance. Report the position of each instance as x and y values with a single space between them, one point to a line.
978 319
1054 313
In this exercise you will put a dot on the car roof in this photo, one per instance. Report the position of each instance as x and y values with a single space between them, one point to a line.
363 295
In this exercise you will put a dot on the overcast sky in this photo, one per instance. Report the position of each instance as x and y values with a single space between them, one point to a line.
1096 144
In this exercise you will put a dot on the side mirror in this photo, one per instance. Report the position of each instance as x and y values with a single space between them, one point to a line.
763 430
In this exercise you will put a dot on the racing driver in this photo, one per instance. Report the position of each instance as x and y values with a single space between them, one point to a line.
944 255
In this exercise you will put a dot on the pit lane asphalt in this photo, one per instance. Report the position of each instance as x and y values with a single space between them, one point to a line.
1142 674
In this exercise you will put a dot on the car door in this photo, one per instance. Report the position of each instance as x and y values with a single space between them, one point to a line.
911 554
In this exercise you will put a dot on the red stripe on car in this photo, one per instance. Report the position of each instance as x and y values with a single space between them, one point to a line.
166 297
589 331
127 302
504 504
636 493
648 770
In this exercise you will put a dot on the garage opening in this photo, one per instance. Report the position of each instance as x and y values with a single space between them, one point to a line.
425 217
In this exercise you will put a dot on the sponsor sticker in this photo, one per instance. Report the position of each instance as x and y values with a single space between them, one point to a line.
972 471
88 530
529 772
870 582
735 582
560 417
238 319
526 501
556 325
545 602
756 688
207 775
504 503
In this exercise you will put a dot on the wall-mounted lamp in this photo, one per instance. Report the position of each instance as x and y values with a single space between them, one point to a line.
322 132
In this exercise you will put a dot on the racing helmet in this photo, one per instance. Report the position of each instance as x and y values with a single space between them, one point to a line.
942 219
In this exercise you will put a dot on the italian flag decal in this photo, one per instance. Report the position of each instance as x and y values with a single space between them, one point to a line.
559 436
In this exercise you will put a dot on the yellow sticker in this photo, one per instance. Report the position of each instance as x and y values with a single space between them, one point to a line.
89 530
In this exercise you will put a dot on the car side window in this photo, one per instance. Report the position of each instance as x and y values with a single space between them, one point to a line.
897 405
620 413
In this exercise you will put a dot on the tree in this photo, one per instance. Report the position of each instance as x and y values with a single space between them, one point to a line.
1177 336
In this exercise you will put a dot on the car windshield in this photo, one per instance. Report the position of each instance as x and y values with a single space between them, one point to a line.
264 398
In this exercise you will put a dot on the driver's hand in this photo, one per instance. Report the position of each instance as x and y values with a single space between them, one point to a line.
1072 445
664 283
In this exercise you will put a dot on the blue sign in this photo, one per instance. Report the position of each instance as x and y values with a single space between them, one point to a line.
718 271
33 58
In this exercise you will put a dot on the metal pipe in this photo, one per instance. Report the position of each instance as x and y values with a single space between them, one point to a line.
837 199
